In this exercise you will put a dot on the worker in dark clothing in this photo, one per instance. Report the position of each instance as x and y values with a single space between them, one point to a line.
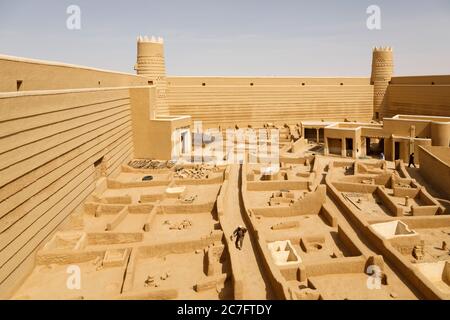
239 233
411 160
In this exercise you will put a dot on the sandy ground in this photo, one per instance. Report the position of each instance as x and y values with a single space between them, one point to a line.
185 271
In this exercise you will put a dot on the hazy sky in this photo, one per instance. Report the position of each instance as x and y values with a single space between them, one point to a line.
230 37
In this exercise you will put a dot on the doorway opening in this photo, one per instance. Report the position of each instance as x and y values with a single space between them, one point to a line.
374 146
99 168
397 150
349 147
184 142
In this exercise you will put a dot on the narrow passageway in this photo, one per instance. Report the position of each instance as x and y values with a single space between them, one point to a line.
443 200
255 284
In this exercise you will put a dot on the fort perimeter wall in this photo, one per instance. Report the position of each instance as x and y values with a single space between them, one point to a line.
56 143
419 95
227 101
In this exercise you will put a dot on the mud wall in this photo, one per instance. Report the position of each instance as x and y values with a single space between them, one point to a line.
434 169
19 74
420 95
56 146
227 101
387 250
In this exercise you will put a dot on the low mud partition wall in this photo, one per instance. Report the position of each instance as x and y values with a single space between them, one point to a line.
354 187
160 271
277 185
440 221
311 203
336 266
188 208
401 169
367 179
151 251
370 167
389 203
115 184
423 285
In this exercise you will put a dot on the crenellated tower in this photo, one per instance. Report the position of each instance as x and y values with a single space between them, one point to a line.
151 64
382 71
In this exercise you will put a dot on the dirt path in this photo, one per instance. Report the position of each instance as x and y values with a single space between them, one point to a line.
255 284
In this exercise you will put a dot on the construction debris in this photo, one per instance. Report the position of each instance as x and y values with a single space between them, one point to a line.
418 252
190 199
150 282
165 276
185 224
198 172
151 164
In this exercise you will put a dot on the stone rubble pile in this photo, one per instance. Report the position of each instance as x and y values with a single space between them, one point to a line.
198 172
151 164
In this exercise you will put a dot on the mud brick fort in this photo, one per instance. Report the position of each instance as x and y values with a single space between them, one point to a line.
97 177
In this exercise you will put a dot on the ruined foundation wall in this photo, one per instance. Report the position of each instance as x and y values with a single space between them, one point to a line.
387 250
227 101
419 95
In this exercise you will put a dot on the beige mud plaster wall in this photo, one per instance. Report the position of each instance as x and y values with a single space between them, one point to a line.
152 137
417 95
44 75
49 141
435 167
143 102
230 100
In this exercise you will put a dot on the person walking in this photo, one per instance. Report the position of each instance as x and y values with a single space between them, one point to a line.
239 233
411 160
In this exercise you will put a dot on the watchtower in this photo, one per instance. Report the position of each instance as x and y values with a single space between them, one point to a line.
151 64
382 70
